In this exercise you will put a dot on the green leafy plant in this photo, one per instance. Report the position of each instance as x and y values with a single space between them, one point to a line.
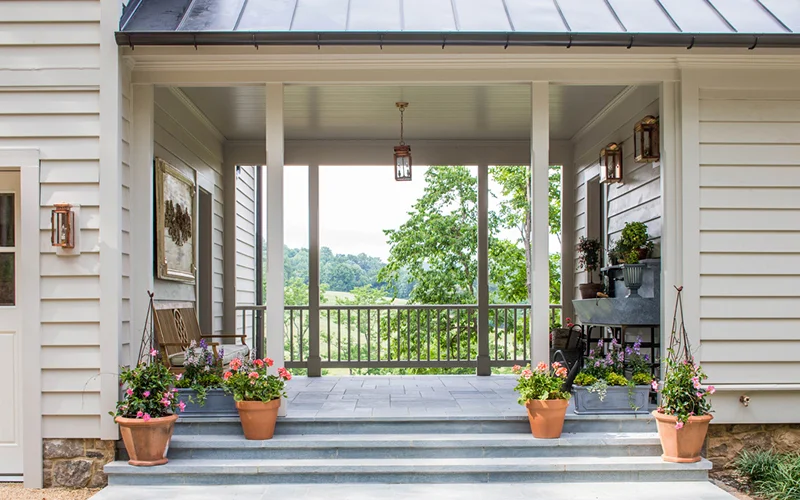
249 381
543 383
149 391
634 242
202 370
589 255
603 370
775 476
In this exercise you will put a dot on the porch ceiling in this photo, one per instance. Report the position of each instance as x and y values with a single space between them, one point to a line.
498 112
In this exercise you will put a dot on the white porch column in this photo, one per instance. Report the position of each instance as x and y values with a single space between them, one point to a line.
483 271
540 268
274 264
314 368
142 217
229 244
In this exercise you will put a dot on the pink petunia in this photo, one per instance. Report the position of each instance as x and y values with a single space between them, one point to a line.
699 394
129 392
146 394
153 352
165 402
711 389
139 414
179 376
679 426
654 385
146 417
182 405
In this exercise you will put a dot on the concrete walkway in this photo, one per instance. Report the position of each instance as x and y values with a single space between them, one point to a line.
551 491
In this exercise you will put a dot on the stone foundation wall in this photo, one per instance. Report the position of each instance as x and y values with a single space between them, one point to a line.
724 442
76 463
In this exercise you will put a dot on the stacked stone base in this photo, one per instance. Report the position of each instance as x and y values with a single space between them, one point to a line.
725 441
76 463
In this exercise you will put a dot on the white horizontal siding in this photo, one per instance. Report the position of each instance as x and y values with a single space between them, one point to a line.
245 240
749 236
46 48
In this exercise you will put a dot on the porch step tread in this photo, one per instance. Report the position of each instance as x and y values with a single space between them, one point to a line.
401 466
415 440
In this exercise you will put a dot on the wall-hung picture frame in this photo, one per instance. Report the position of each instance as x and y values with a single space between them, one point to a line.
175 224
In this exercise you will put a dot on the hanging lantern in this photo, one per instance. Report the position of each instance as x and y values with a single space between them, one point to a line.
645 140
62 225
402 152
611 164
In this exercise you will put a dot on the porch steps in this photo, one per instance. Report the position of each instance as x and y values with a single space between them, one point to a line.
409 450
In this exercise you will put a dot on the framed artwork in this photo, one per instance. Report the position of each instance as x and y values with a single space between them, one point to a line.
175 224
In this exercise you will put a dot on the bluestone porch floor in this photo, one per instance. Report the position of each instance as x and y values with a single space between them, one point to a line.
375 397
552 491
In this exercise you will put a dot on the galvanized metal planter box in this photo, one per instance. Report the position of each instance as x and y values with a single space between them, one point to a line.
618 400
218 404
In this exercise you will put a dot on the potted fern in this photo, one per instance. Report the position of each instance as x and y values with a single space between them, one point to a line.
589 259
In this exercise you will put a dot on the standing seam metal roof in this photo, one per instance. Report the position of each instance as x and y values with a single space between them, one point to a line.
487 22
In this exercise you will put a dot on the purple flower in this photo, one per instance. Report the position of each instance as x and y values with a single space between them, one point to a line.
203 343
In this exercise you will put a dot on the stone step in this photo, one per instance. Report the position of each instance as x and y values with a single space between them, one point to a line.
688 490
379 446
419 425
428 470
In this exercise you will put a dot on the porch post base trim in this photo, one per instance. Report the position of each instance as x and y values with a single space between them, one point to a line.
314 364
484 366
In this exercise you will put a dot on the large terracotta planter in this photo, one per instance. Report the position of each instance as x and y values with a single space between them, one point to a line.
258 418
147 442
547 417
681 445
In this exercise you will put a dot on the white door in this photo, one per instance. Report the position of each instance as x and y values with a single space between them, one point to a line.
10 335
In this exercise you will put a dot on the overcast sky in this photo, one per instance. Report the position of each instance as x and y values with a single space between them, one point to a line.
356 204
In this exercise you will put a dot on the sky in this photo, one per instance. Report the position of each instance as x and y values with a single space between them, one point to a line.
356 204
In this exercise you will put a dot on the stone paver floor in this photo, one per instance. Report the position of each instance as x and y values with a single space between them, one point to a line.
450 396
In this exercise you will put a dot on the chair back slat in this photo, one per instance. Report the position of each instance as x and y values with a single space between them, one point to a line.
176 323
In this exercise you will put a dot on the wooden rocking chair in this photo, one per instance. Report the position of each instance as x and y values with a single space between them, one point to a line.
176 326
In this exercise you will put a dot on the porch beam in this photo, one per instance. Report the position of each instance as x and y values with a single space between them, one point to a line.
484 367
274 143
314 369
540 266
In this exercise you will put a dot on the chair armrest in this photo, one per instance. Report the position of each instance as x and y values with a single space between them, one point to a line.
223 336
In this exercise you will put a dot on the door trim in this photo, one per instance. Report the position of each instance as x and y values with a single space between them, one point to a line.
27 162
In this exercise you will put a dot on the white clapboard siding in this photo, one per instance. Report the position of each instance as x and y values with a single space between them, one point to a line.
245 240
184 140
750 236
638 198
49 100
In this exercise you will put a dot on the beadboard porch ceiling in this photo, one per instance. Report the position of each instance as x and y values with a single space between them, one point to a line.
340 112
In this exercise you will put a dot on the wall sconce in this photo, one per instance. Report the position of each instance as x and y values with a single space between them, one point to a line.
64 234
645 140
611 164
402 152
62 223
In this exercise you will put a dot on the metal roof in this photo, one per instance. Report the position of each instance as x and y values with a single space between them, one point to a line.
653 23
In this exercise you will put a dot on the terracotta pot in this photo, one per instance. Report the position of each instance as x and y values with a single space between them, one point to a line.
547 417
147 442
590 290
258 418
681 445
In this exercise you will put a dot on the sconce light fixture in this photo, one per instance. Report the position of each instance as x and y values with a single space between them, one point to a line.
611 164
62 226
645 140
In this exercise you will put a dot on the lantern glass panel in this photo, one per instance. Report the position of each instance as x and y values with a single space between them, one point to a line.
402 167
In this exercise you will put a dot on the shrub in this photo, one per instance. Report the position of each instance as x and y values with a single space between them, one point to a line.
616 379
585 379
683 395
589 254
774 476
642 379
543 383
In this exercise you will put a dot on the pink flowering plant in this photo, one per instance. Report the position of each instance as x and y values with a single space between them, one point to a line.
683 394
149 391
543 383
249 381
